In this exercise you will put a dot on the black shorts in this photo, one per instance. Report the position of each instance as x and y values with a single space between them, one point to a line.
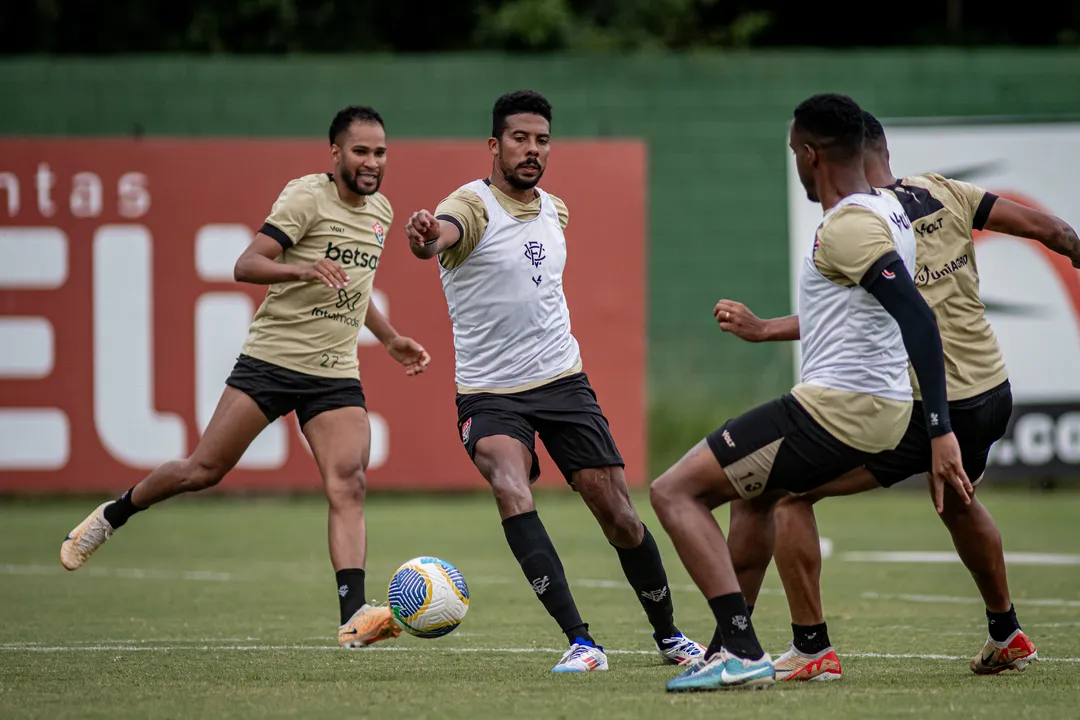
565 413
278 391
978 422
778 446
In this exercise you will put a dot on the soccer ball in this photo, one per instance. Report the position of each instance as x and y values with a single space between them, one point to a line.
428 597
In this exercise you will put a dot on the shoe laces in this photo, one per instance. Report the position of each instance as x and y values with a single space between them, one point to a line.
98 532
575 652
682 644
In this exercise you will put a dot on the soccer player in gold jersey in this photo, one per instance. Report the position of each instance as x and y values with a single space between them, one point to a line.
317 251
943 213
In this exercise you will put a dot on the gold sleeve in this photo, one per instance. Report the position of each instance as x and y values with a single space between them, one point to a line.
292 215
970 198
564 212
465 209
850 242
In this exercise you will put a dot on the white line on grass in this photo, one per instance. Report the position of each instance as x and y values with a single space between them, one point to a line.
623 585
1039 602
392 648
124 573
951 557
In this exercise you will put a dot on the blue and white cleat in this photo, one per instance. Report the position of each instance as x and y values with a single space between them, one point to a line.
725 671
582 658
680 650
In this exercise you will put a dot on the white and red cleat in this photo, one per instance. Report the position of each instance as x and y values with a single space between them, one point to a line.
1016 653
794 666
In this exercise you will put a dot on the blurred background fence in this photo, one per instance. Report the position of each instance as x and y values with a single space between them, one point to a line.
713 125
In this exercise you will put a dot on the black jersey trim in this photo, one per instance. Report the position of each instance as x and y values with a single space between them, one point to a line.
456 223
982 213
278 234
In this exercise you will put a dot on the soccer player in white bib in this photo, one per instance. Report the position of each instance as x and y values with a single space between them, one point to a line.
501 252
861 317
944 212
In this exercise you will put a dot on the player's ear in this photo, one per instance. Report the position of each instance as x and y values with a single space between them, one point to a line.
811 155
493 146
335 153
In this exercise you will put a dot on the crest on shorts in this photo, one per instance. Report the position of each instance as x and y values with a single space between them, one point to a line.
465 427
379 234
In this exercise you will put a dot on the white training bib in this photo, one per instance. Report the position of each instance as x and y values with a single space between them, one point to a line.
849 341
510 318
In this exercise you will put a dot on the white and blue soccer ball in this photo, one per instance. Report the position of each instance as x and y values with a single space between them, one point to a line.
428 597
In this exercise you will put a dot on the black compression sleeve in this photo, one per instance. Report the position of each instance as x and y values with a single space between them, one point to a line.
888 280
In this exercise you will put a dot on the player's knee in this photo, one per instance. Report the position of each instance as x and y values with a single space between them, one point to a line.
509 486
794 504
346 485
662 493
610 503
200 474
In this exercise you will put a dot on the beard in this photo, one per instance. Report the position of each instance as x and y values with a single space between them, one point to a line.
521 183
352 181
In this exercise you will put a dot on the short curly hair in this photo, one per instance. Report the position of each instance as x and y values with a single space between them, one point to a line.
875 134
835 122
348 115
515 103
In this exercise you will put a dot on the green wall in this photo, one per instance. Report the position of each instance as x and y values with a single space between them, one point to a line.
715 126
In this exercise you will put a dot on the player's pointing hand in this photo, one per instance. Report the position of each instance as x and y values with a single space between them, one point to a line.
422 229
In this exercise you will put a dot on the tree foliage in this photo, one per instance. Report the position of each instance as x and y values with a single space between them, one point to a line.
418 26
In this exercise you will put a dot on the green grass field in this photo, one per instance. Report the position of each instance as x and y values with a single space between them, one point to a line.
226 608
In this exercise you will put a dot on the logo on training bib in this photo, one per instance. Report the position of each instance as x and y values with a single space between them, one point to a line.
535 252
379 234
466 426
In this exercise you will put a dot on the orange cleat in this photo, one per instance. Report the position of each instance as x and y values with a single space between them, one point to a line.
1016 653
368 625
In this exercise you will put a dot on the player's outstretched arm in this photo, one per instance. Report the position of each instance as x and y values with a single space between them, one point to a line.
737 319
1012 218
258 265
889 281
429 236
405 350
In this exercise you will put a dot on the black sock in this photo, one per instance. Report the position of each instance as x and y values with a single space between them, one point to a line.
118 512
734 630
645 571
350 592
536 555
1002 625
810 639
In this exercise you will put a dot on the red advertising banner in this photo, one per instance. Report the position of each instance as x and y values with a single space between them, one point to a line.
119 318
